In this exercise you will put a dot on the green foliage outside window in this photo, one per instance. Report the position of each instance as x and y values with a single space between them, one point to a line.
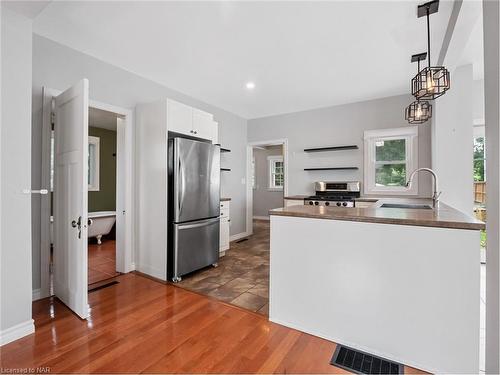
479 159
390 159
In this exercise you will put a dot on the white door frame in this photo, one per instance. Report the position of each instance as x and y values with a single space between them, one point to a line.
124 193
250 146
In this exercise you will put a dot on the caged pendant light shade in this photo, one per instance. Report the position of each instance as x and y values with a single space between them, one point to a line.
419 111
432 81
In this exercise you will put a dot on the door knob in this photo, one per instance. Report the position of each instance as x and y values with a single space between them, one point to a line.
78 224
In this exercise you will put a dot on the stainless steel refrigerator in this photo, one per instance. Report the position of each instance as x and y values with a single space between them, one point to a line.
194 206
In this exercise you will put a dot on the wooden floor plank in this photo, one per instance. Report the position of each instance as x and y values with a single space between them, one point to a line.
140 325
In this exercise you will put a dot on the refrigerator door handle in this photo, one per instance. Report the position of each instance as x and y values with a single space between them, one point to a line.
201 223
181 180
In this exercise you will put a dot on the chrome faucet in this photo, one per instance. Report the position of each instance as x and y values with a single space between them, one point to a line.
436 193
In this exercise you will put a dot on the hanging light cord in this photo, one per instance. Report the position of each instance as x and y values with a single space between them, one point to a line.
428 38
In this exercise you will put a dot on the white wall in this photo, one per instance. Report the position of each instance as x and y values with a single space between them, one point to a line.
58 67
452 141
263 198
478 100
337 125
491 14
15 158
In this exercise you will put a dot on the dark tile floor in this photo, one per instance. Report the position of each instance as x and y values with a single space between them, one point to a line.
242 277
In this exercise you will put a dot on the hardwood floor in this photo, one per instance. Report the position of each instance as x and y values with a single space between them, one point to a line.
141 325
102 261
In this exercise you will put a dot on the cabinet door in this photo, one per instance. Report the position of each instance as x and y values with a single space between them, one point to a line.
224 234
204 126
179 117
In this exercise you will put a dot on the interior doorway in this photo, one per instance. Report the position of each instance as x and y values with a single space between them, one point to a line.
267 179
116 204
102 202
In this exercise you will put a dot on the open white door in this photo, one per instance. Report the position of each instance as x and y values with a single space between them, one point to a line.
70 197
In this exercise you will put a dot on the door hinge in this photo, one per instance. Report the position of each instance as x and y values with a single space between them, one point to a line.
52 119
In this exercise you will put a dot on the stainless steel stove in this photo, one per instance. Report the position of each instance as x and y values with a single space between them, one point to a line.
335 194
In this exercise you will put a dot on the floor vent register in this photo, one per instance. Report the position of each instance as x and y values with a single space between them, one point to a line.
363 363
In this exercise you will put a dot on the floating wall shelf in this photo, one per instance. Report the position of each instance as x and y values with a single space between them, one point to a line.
222 149
332 169
332 148
225 170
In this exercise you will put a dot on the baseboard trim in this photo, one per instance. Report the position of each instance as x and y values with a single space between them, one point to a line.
36 294
155 273
238 236
16 332
261 218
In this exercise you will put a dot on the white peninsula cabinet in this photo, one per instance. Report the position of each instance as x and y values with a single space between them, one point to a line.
153 122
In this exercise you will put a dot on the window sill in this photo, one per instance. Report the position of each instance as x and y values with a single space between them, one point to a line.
396 192
275 189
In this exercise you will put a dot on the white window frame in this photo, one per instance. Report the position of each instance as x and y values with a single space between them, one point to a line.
410 134
254 183
271 162
94 184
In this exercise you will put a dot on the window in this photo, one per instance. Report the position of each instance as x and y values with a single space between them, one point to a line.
390 157
93 170
479 160
276 172
479 154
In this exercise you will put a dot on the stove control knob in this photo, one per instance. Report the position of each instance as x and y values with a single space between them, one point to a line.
327 203
344 204
311 203
338 204
316 203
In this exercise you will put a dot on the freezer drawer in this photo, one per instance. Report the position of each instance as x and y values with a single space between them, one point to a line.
196 245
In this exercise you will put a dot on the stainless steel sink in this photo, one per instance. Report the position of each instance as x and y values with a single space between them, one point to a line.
402 205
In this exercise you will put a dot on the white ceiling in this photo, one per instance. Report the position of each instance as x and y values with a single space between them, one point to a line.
99 118
29 9
301 55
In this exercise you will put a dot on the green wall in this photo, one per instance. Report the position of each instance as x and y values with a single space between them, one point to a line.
105 198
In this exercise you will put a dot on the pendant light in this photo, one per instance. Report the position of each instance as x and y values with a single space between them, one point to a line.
432 81
419 111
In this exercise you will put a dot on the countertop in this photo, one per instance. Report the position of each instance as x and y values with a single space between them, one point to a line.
225 199
296 197
442 216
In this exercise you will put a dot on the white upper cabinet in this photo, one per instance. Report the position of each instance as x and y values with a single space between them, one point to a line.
184 119
204 126
179 117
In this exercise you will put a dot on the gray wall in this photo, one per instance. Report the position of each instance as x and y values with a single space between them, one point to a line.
105 198
337 125
58 67
15 158
263 198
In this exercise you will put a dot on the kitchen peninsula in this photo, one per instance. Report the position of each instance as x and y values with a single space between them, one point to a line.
401 283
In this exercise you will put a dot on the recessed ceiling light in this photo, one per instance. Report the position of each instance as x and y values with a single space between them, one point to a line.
250 85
